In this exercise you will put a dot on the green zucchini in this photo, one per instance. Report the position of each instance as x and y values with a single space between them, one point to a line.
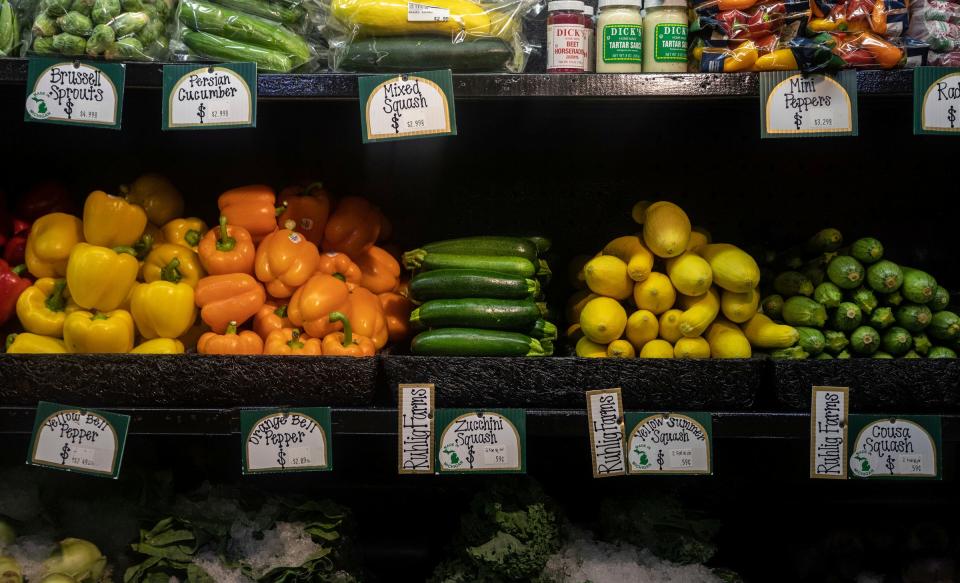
881 354
921 343
865 340
941 297
828 294
944 325
825 241
823 356
865 299
792 283
911 354
811 340
815 273
941 352
543 330
471 283
867 250
474 342
882 318
894 299
792 353
479 313
402 54
772 306
835 342
802 311
843 354
918 286
847 317
421 259
884 277
547 346
845 271
897 341
913 317
543 244
487 245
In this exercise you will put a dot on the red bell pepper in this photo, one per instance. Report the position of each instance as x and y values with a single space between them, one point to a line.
11 286
15 249
45 198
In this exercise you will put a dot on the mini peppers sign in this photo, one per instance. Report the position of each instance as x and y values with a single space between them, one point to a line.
78 440
288 440
209 97
936 101
481 441
794 104
74 92
400 107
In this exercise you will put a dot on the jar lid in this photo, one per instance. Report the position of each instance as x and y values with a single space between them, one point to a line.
665 3
605 3
565 5
587 10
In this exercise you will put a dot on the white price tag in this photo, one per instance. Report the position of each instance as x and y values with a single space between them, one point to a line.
681 459
417 12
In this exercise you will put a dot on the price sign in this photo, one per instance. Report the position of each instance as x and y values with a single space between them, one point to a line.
605 418
669 443
399 107
794 104
936 100
287 440
895 447
415 429
78 440
209 97
829 407
74 92
486 441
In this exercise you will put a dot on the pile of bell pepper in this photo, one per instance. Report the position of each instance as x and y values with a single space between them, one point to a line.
294 273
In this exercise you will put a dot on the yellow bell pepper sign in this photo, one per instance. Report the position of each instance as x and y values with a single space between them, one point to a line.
28 343
44 306
173 263
98 331
163 309
100 278
51 239
159 346
111 221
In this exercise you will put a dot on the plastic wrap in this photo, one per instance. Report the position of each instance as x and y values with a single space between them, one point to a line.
10 19
942 36
951 59
888 18
124 30
935 10
275 34
756 22
403 35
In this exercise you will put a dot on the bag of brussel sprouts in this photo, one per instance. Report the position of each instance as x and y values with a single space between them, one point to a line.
132 5
125 49
69 44
56 8
100 40
129 23
105 10
75 23
44 25
43 45
84 7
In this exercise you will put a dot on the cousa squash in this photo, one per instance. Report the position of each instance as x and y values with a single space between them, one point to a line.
390 18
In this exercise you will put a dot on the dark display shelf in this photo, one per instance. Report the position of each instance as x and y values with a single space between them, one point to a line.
535 85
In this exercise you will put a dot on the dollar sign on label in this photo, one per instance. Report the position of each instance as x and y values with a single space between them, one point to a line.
890 464
281 457
64 454
797 120
201 112
660 458
396 122
952 116
69 108
470 456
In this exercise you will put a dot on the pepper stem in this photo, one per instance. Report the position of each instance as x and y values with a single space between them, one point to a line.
340 276
281 311
9 342
171 271
231 327
55 301
19 270
347 328
280 209
125 249
98 315
224 241
290 225
310 188
143 246
295 339
192 237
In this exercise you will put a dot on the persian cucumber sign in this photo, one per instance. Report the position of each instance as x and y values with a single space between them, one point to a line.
286 440
400 107
78 440
74 92
793 104
481 441
209 97
936 100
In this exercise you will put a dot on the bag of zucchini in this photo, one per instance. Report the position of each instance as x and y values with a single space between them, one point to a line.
401 35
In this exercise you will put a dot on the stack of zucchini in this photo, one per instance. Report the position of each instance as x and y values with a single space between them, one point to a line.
480 296
852 301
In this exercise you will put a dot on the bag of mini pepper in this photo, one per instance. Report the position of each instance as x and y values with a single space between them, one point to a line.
725 20
406 35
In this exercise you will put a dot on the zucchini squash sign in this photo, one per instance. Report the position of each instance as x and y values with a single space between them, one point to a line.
399 107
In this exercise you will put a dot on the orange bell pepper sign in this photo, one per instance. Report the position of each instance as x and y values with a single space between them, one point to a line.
285 260
353 227
228 298
313 302
271 317
308 208
340 266
346 343
396 310
367 317
227 249
381 271
252 207
290 341
230 342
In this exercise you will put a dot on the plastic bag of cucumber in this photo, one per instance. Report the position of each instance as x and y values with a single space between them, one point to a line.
481 296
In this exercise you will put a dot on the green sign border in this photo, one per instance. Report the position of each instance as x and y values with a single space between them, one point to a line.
923 79
172 75
847 79
116 72
633 418
932 423
120 424
442 78
250 417
443 418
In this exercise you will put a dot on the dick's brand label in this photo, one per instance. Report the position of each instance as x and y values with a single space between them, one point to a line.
800 105
622 43
294 440
895 447
936 100
670 43
669 443
74 92
605 418
417 12
566 47
829 407
78 440
415 105
415 430
209 97
490 441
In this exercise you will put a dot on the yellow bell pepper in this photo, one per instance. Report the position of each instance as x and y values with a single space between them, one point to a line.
152 237
173 263
185 232
778 60
159 346
27 343
158 197
111 221
163 309
51 239
101 278
44 306
98 331
742 58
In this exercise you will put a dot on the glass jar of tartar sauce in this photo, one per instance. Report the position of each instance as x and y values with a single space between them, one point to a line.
665 36
619 37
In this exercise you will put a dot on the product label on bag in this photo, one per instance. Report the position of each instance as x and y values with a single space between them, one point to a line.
78 440
74 92
209 97
670 43
415 431
669 443
399 107
605 418
799 105
936 100
487 441
288 440
895 447
829 407
417 12
566 47
622 43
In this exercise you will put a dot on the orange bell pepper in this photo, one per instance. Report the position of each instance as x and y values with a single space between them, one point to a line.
222 299
284 261
308 208
367 316
230 342
353 227
290 341
270 317
227 249
878 17
312 303
886 54
339 264
252 207
396 310
381 272
346 343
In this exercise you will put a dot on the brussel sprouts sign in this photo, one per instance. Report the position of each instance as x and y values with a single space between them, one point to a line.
75 439
74 92
209 97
